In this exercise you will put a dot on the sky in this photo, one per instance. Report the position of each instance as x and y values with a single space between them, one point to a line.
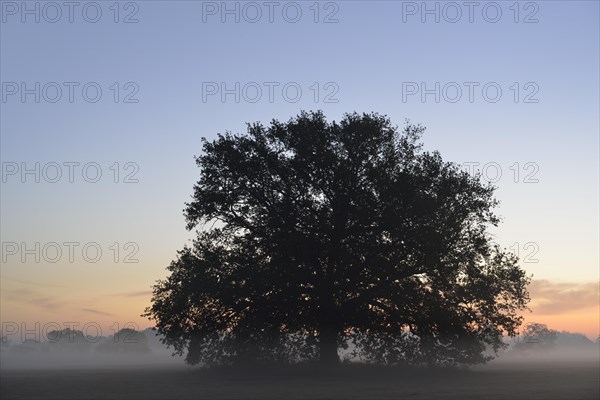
104 105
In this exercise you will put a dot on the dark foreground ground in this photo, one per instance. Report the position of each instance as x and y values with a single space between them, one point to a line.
541 380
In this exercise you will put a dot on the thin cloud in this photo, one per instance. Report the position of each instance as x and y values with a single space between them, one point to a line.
33 298
46 303
552 298
17 294
97 312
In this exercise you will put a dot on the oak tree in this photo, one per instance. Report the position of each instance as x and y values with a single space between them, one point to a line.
313 235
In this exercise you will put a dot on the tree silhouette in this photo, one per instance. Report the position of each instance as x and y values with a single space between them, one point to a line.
125 341
537 337
68 340
313 234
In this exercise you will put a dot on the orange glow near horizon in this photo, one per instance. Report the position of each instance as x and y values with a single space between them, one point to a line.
585 321
111 313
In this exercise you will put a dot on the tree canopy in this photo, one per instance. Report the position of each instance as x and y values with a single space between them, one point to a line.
313 235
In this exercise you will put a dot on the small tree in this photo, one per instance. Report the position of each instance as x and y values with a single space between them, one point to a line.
68 340
537 337
125 341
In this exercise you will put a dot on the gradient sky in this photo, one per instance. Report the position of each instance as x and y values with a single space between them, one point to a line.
373 53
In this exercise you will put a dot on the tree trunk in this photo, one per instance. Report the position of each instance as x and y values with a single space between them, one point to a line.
328 347
328 330
329 314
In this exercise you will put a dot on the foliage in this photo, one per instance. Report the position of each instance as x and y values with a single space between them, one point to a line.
315 234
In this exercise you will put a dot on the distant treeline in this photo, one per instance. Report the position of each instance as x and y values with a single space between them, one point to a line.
125 341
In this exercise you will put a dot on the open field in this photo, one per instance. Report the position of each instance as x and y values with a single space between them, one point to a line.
565 380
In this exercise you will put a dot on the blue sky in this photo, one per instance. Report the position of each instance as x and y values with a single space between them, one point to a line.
369 57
